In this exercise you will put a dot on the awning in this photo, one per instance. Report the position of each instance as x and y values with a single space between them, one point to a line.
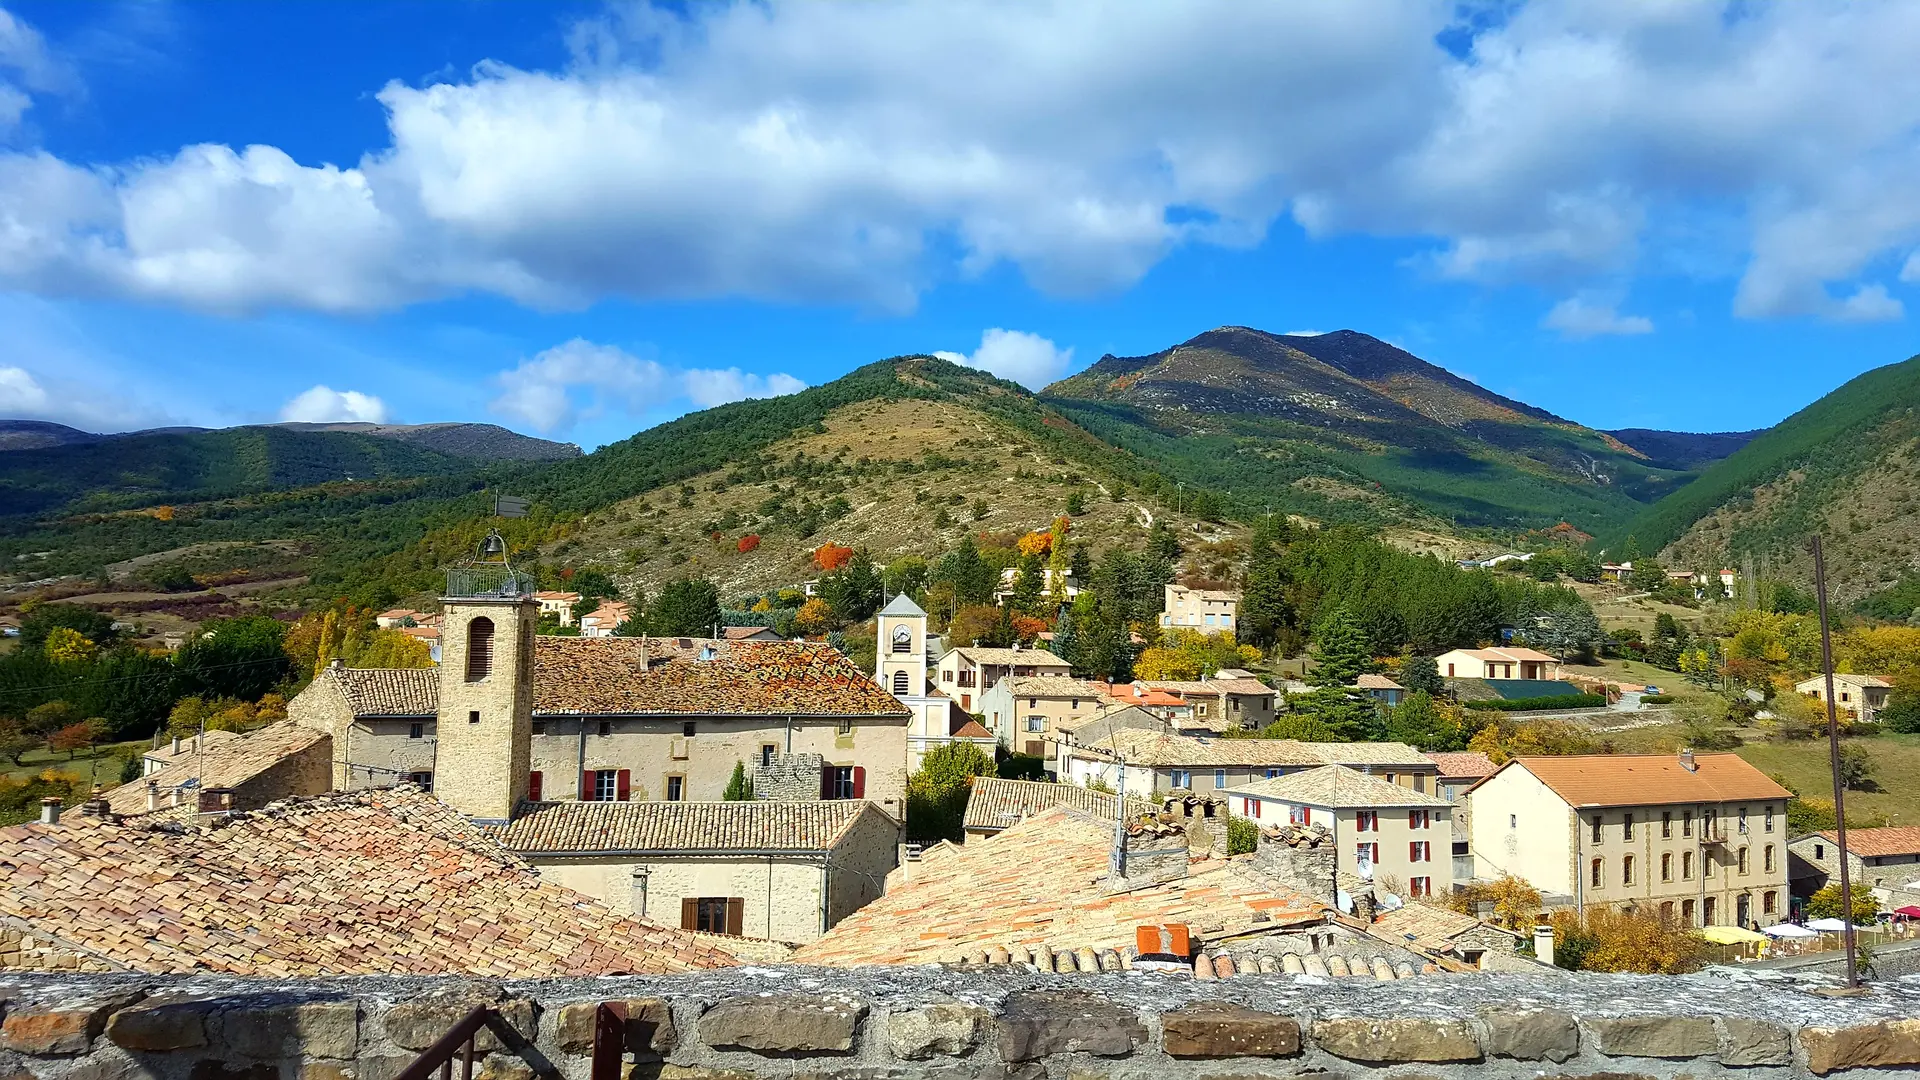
1788 930
1911 911
1833 926
1731 935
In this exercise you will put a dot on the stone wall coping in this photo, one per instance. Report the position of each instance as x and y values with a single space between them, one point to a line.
969 1023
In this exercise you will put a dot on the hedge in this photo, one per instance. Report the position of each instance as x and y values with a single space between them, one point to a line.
1541 704
1656 699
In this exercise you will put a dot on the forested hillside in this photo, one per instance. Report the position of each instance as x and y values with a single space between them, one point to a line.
1844 466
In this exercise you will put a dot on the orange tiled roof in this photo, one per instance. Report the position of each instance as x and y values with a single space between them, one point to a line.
218 765
1462 764
1648 779
972 729
1871 843
608 676
1041 882
681 826
359 883
388 691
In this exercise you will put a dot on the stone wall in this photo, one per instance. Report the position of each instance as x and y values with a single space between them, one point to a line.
789 778
962 1023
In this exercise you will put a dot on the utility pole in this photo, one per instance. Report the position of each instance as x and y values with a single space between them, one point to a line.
1833 759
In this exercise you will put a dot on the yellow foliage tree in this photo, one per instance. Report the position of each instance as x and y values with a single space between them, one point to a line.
815 616
66 645
1607 939
1035 543
1162 663
1516 904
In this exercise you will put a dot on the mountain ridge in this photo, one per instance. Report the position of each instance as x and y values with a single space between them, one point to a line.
487 442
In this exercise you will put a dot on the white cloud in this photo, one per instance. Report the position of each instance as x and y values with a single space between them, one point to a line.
27 66
798 151
554 389
1587 316
1304 333
1870 303
324 405
1028 359
21 395
1910 273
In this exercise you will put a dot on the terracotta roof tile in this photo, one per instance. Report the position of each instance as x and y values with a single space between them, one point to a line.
368 882
223 764
995 803
1648 779
681 826
611 676
1870 843
388 691
1462 764
1336 787
1042 883
1011 657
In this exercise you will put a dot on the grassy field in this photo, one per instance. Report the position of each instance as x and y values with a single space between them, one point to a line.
1896 761
106 759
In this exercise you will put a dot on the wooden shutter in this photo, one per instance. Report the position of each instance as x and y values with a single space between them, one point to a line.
859 782
689 913
533 787
625 785
736 907
826 781
586 786
1413 851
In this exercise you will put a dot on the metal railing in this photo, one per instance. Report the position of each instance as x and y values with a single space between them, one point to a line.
609 1045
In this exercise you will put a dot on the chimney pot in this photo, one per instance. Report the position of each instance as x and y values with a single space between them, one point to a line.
1687 762
176 746
337 663
50 811
153 795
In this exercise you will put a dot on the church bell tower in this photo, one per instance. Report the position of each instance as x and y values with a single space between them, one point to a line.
485 729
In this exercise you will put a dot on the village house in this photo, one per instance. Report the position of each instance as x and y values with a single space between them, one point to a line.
605 719
395 618
750 633
1886 860
1055 582
995 805
1154 763
1855 697
1383 832
608 618
372 882
167 753
1022 710
1210 611
1459 771
780 871
969 671
1435 929
557 604
1700 839
1223 703
238 772
1170 707
900 666
1501 663
1381 689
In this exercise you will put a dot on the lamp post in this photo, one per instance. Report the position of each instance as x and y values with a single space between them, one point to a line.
1833 759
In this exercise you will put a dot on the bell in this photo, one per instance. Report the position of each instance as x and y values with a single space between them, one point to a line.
494 546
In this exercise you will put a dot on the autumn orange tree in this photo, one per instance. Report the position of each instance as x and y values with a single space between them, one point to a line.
75 737
830 557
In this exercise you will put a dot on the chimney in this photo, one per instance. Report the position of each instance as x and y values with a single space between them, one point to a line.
640 874
176 746
1363 903
1687 762
1300 857
153 796
336 664
50 810
216 801
96 804
1149 852
1543 944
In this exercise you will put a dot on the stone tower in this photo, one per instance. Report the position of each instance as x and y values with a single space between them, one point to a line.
900 662
485 728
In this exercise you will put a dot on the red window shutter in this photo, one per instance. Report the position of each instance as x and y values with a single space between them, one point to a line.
626 785
1413 852
826 781
586 786
859 782
533 787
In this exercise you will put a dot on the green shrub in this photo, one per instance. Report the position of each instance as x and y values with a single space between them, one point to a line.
1656 699
1540 704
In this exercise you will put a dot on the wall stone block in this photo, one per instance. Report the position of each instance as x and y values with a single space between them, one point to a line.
937 1030
1886 1044
1397 1040
1654 1036
1220 1030
783 1023
1532 1035
1042 1023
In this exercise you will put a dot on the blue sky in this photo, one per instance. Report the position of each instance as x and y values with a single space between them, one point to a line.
579 219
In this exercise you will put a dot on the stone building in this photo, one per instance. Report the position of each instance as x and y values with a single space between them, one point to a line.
780 871
240 772
1210 611
1383 832
967 672
1149 761
1022 711
1700 839
1459 771
1855 697
1886 860
510 716
900 667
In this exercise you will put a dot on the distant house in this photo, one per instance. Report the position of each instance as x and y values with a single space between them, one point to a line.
1857 697
1502 663
1210 611
1380 688
1223 703
1885 860
607 618
1054 581
965 672
394 618
750 633
1492 561
558 604
1460 770
1158 763
1169 707
1021 710
1617 571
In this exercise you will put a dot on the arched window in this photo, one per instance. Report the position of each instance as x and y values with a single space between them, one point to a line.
479 648
899 682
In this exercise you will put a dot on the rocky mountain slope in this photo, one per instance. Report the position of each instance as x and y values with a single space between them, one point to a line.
482 442
1684 450
1274 414
1847 466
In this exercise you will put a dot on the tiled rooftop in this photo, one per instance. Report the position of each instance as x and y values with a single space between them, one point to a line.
995 803
1462 764
190 744
1011 657
369 882
1153 749
1336 787
1210 686
1052 686
1425 926
224 764
1649 779
1872 843
1041 883
388 691
681 826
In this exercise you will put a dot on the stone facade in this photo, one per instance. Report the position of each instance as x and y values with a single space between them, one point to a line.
788 778
486 705
957 1024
